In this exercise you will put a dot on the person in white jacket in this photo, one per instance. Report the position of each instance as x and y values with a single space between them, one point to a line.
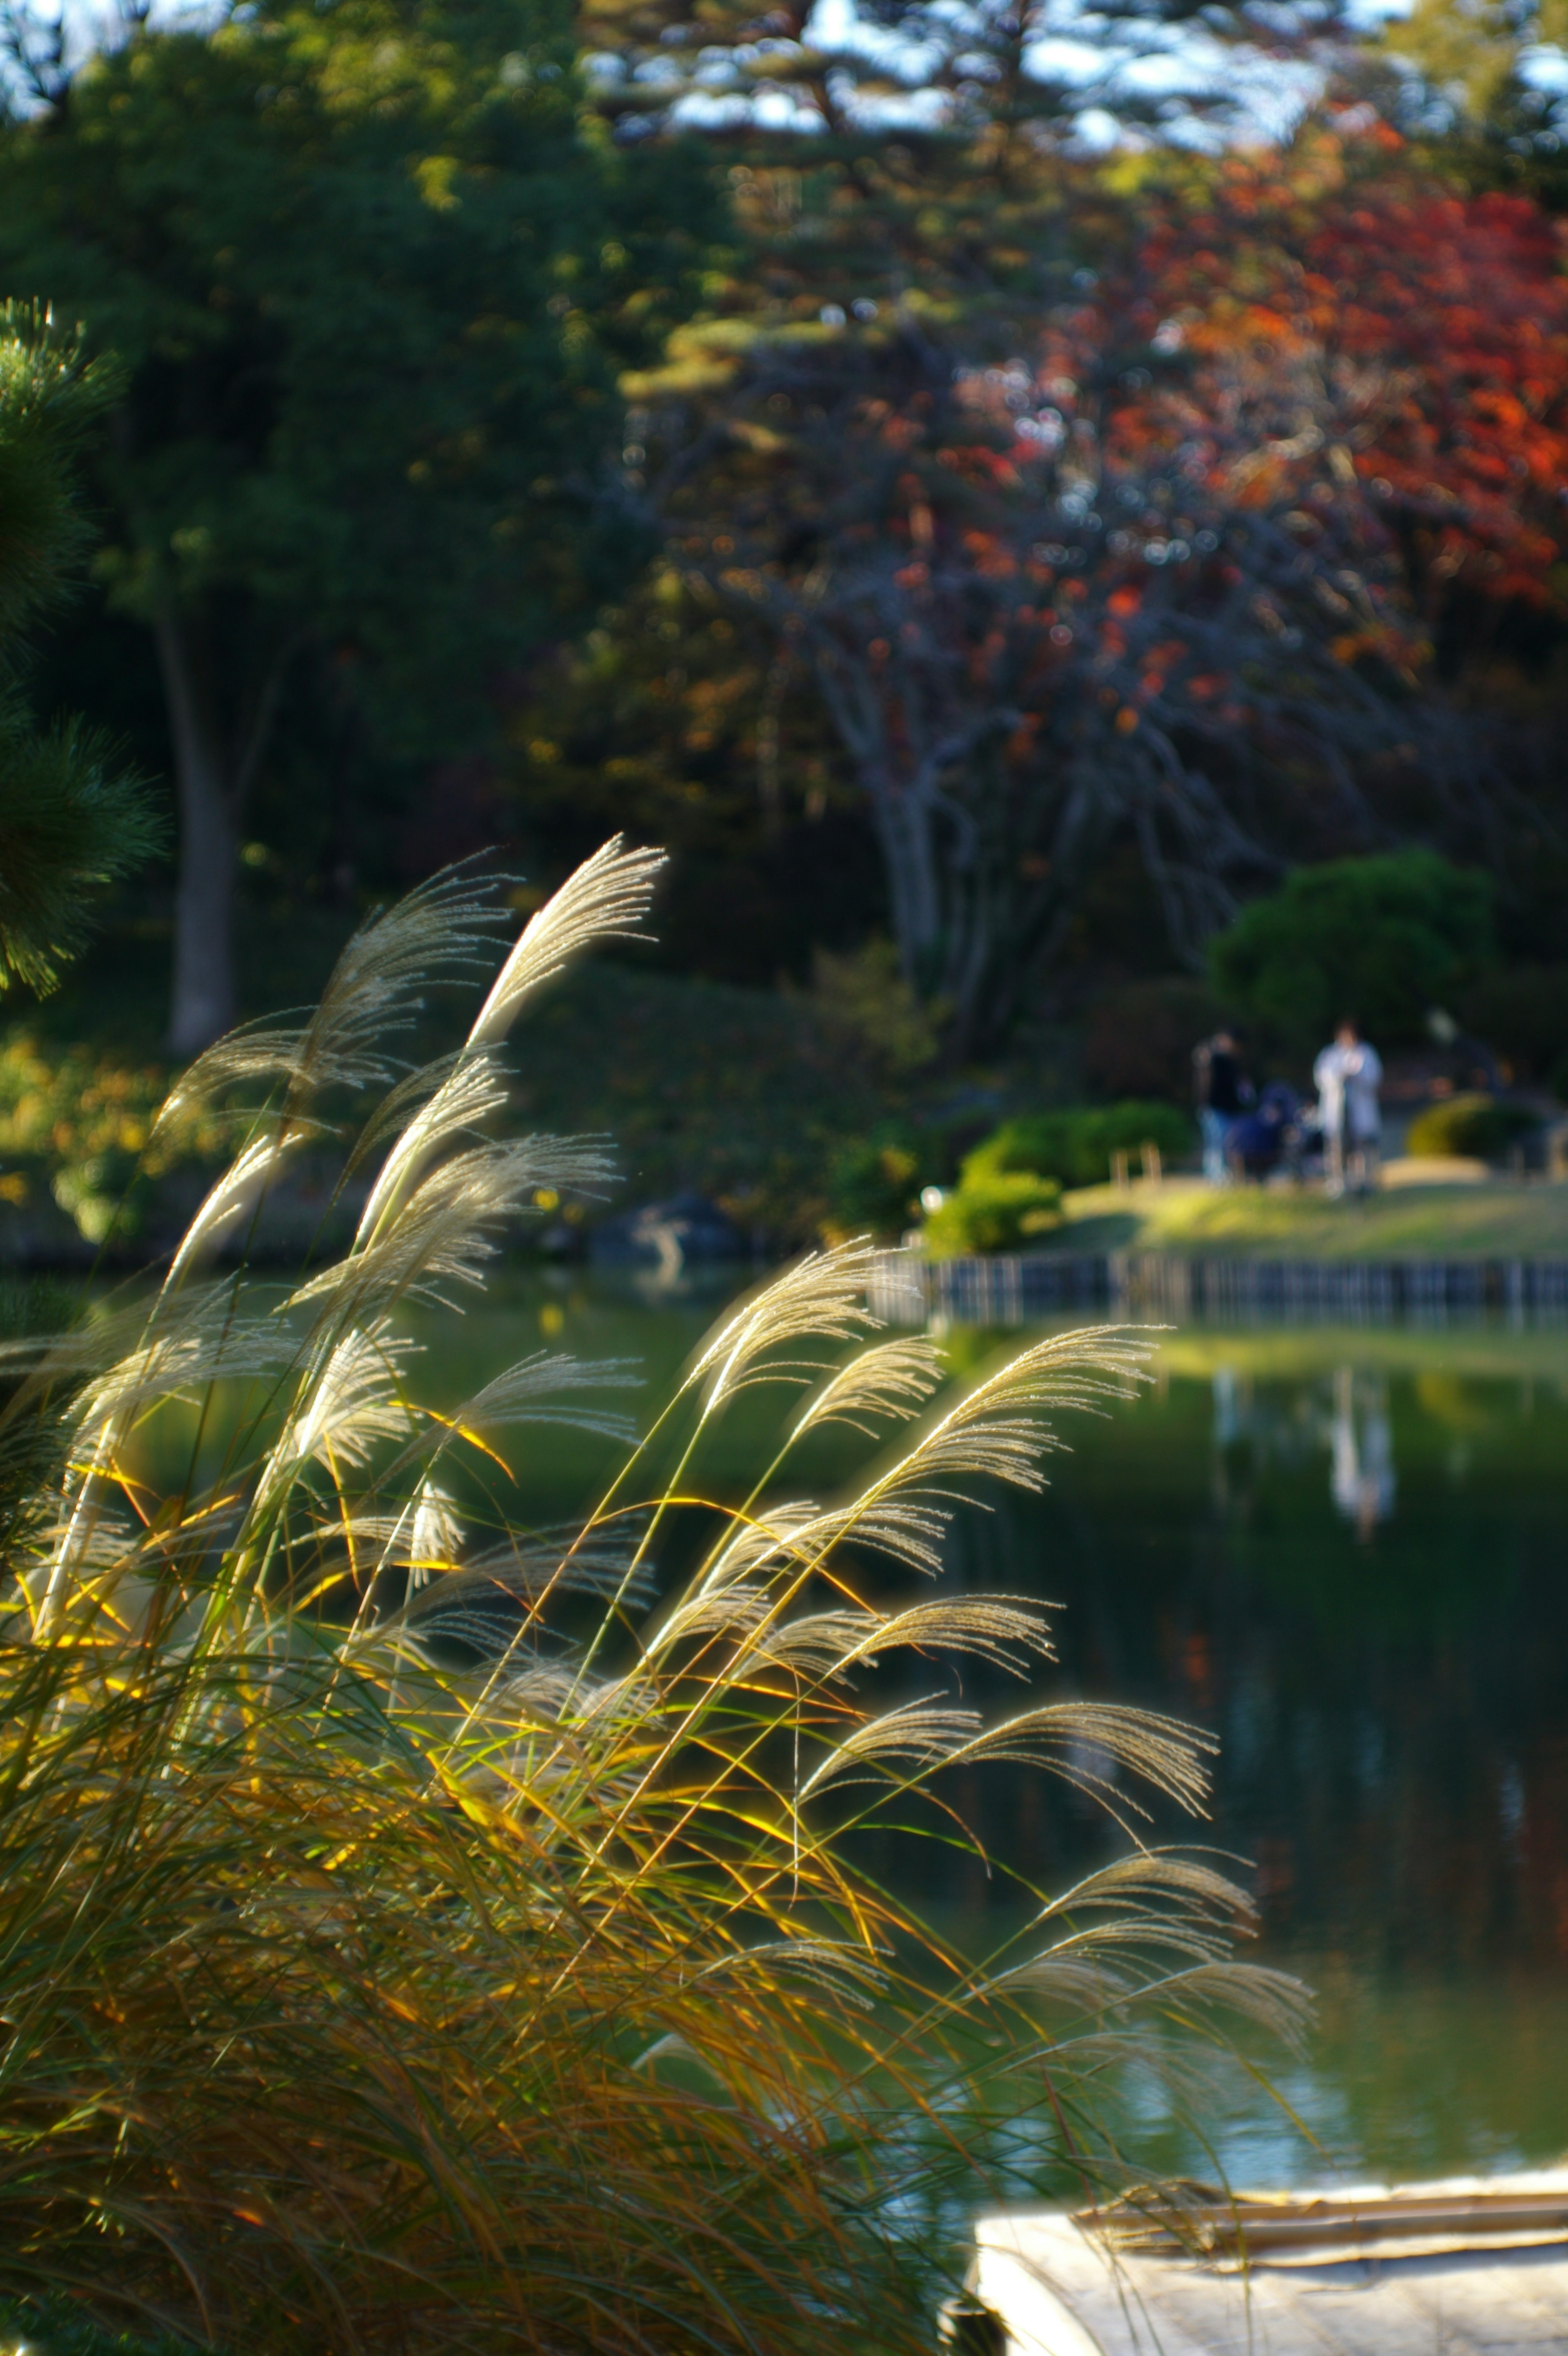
1349 1075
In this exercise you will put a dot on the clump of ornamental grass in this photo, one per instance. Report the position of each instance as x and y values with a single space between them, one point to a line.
422 1934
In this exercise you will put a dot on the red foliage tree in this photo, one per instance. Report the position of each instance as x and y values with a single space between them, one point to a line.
1171 573
1436 324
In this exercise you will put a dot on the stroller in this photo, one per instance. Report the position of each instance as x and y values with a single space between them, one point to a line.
1268 1137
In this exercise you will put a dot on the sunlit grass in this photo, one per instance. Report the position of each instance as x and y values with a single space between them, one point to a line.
1494 1219
427 1930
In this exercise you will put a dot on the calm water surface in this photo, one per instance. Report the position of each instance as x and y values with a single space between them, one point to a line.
1347 1553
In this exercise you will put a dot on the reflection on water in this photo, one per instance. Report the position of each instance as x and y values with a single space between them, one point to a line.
1346 1554
1362 1481
1357 1433
1348 1561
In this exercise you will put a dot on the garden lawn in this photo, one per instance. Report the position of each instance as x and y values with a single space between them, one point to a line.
1493 1220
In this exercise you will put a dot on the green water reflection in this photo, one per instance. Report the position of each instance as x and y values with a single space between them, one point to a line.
1346 1554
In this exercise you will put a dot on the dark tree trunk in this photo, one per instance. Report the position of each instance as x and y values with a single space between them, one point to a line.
202 1005
214 770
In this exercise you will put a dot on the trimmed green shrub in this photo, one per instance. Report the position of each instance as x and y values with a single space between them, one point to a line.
993 1211
1479 1126
1380 940
1075 1147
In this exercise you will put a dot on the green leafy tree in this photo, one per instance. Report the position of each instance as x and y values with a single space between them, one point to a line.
68 823
374 274
1383 940
1471 57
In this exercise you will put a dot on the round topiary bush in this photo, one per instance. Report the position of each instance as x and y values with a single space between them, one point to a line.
1075 1146
1478 1127
993 1211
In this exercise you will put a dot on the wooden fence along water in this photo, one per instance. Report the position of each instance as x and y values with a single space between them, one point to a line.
1017 1288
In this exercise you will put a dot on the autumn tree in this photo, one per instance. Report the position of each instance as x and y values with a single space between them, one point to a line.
1045 609
372 274
1434 324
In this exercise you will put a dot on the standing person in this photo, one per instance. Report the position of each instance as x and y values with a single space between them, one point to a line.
1221 1092
1349 1075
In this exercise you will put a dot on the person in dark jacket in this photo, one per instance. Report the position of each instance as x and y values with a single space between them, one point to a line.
1256 1142
1221 1092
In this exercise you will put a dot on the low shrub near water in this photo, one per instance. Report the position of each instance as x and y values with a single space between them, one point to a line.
1074 1147
426 1932
1475 1126
993 1211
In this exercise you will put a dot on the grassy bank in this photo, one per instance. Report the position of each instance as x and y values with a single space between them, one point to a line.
1492 1218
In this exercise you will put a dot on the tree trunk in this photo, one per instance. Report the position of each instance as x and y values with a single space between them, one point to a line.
202 1007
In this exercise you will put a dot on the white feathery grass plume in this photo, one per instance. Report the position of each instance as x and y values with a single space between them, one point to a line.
1008 1632
206 1342
918 1734
1273 2001
435 1540
519 1574
253 1051
907 1530
821 1298
1156 1925
889 1383
1151 1881
993 1430
752 1542
606 899
443 931
539 1389
814 1646
355 1402
733 1611
444 1230
560 1561
392 1111
1082 1741
472 1091
210 1342
232 1203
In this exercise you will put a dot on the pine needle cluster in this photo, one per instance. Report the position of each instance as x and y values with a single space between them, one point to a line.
69 819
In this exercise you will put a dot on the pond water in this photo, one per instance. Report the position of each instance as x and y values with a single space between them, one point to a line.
1347 1553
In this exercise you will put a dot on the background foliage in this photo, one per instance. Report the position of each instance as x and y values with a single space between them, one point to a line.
964 548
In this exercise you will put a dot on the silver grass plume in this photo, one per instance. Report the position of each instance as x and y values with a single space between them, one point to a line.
820 1298
607 898
444 930
889 1383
